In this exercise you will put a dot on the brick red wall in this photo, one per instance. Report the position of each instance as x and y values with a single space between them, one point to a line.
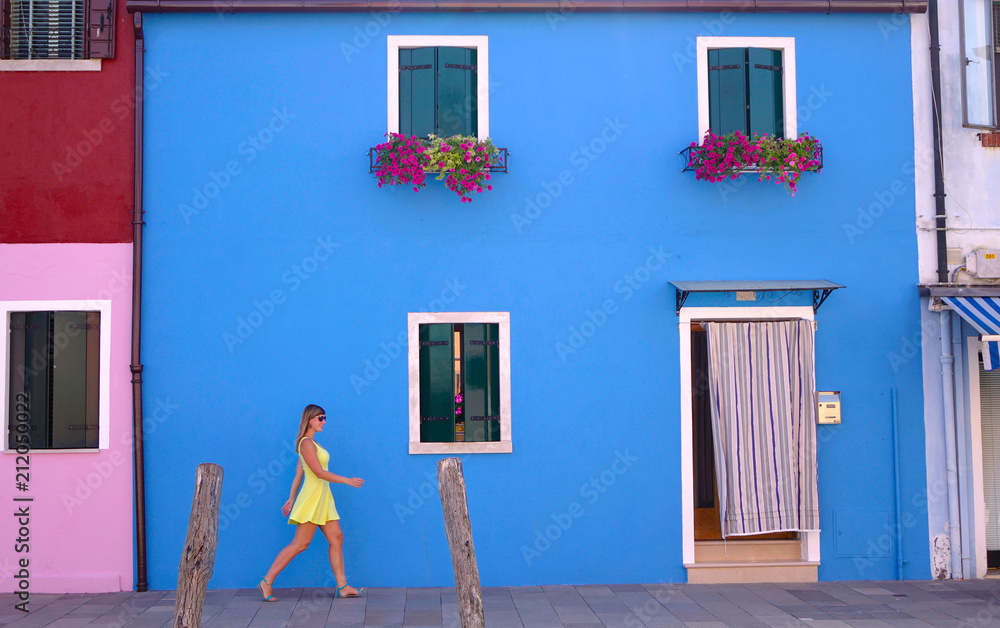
66 150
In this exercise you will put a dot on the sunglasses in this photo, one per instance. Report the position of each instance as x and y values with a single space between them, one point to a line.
321 417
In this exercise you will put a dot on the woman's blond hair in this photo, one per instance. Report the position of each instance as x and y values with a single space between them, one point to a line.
312 410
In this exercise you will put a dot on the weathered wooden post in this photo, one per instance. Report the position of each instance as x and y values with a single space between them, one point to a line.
458 528
198 558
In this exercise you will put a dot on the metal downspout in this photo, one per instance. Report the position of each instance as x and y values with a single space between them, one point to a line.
947 358
895 467
962 438
940 214
136 366
948 398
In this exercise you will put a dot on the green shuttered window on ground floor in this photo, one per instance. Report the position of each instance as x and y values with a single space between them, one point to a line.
745 91
459 382
437 91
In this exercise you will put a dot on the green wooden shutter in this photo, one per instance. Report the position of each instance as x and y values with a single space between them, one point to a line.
417 74
457 99
481 369
437 387
727 95
764 69
69 381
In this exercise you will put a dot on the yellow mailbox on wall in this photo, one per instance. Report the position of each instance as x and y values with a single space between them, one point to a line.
829 407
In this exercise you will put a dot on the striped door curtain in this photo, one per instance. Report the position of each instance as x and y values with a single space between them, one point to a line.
762 387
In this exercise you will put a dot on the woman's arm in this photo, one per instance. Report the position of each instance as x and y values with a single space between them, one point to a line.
309 453
287 508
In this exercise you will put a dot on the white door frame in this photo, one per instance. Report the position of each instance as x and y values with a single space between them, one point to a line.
810 540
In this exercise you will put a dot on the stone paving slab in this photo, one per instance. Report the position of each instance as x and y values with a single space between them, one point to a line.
911 604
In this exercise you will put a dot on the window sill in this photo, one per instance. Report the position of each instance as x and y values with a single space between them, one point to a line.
492 447
50 65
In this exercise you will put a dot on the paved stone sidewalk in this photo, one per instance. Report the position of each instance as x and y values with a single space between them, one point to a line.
965 604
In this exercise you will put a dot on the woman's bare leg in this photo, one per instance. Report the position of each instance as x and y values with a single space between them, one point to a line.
333 533
303 534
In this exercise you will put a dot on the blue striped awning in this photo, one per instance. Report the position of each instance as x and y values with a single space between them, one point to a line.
983 313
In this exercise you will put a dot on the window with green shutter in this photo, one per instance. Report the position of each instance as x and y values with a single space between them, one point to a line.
745 91
438 91
459 382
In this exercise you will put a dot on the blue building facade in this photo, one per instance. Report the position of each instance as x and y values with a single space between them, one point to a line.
277 273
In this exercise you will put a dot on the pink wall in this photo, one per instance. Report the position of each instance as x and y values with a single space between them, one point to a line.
81 532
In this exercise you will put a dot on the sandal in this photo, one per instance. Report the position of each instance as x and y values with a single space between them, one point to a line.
260 587
358 594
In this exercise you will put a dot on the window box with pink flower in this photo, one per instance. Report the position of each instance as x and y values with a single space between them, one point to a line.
464 163
721 157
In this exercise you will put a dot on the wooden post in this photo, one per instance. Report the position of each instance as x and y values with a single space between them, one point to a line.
458 528
198 558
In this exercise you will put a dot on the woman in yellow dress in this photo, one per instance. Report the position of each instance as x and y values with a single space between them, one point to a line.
313 507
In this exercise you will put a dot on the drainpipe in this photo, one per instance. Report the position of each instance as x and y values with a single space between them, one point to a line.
941 215
948 396
895 468
961 434
136 366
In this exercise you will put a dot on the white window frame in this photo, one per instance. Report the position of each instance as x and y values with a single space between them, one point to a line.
104 386
413 322
478 42
809 539
786 45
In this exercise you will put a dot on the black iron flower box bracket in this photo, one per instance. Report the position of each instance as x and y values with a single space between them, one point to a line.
686 154
498 163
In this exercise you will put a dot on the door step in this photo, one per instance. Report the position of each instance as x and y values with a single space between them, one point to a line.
732 572
742 551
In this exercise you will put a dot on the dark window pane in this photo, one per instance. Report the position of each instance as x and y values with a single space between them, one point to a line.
54 379
437 385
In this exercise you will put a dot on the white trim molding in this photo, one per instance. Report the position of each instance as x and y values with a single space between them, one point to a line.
785 45
50 65
413 322
104 387
978 550
480 43
689 315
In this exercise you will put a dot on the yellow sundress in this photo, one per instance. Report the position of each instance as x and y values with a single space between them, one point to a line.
314 503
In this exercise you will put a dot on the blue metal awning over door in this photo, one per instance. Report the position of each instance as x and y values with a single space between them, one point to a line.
983 313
